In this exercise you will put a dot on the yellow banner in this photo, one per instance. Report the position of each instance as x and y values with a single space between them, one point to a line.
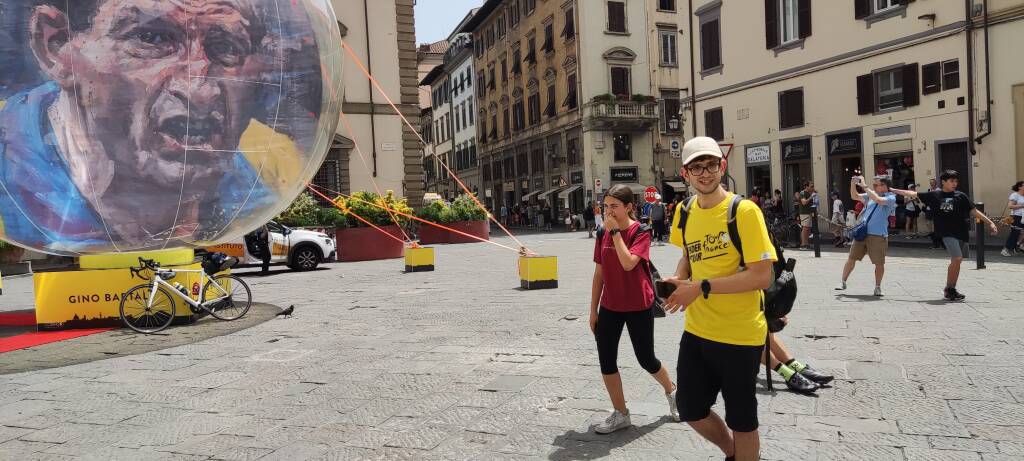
92 298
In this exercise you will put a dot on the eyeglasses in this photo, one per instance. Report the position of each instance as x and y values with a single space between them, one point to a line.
698 170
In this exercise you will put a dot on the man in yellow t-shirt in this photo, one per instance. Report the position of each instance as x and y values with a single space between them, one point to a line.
725 326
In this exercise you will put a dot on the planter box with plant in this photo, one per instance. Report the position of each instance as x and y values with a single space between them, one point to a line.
359 242
462 215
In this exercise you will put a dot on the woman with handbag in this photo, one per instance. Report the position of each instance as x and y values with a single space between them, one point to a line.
623 295
871 234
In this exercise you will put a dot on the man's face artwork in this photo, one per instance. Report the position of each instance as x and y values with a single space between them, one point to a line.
157 83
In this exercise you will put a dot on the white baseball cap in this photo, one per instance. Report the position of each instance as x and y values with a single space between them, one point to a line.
699 147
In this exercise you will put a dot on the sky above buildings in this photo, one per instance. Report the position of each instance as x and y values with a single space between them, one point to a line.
435 19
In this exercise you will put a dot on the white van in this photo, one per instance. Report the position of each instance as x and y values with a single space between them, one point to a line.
301 250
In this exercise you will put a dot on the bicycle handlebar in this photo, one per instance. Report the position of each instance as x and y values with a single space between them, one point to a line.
143 265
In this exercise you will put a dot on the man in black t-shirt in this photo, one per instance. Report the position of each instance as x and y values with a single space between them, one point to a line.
951 210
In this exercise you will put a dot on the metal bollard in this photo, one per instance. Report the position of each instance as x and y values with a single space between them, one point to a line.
817 232
979 232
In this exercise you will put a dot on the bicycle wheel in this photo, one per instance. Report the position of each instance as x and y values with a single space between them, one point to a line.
228 296
138 315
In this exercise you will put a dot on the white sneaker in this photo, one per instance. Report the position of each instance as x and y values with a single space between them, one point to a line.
1005 252
878 291
672 410
614 422
841 286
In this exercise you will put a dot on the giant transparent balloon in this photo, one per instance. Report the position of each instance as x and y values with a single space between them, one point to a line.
131 125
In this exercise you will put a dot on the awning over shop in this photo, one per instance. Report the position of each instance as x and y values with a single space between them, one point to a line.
676 185
548 192
565 193
527 197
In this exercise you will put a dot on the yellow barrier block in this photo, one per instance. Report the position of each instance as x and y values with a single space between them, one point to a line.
419 259
124 260
538 272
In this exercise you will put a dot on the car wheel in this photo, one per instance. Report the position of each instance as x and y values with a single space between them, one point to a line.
305 259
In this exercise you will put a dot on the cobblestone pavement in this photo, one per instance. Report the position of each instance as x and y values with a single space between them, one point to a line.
460 364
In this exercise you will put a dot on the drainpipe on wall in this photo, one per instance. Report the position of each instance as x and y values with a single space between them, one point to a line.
693 76
988 80
970 78
369 86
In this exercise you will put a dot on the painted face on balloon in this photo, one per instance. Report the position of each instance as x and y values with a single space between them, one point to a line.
163 86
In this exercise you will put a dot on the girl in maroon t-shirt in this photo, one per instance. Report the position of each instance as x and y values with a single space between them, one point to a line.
623 291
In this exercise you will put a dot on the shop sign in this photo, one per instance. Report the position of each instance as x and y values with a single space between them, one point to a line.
525 184
576 177
758 154
510 186
844 143
628 174
538 183
796 150
555 180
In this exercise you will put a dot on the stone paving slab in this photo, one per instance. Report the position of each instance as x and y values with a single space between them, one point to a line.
459 364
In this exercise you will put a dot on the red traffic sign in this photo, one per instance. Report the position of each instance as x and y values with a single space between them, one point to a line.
649 194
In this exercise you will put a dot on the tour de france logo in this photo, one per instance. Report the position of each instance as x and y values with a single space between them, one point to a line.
711 246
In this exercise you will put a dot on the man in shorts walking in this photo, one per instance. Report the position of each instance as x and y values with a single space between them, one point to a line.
722 345
880 203
806 214
952 211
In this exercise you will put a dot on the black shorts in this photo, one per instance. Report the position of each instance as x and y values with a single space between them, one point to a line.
706 368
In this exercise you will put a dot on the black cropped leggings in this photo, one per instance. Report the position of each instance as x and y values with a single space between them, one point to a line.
641 334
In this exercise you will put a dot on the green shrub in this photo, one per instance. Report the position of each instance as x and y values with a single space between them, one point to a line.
303 212
363 204
461 209
330 217
432 212
4 246
466 209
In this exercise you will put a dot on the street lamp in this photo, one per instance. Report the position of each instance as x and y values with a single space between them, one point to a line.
673 123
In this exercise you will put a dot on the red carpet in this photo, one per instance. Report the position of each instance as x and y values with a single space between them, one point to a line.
43 337
18 319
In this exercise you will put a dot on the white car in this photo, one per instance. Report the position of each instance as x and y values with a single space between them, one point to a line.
301 250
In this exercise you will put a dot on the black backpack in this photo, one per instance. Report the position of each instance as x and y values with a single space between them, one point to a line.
658 306
780 295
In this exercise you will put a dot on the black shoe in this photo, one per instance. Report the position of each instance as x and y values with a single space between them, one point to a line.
950 294
800 384
815 376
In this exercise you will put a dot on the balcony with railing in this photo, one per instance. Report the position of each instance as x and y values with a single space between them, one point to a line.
603 113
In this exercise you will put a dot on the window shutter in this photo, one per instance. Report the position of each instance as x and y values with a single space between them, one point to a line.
911 92
619 76
771 23
713 124
861 9
804 18
865 94
709 45
616 17
931 78
796 107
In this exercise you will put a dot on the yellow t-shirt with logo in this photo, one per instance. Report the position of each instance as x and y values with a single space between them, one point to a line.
726 318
